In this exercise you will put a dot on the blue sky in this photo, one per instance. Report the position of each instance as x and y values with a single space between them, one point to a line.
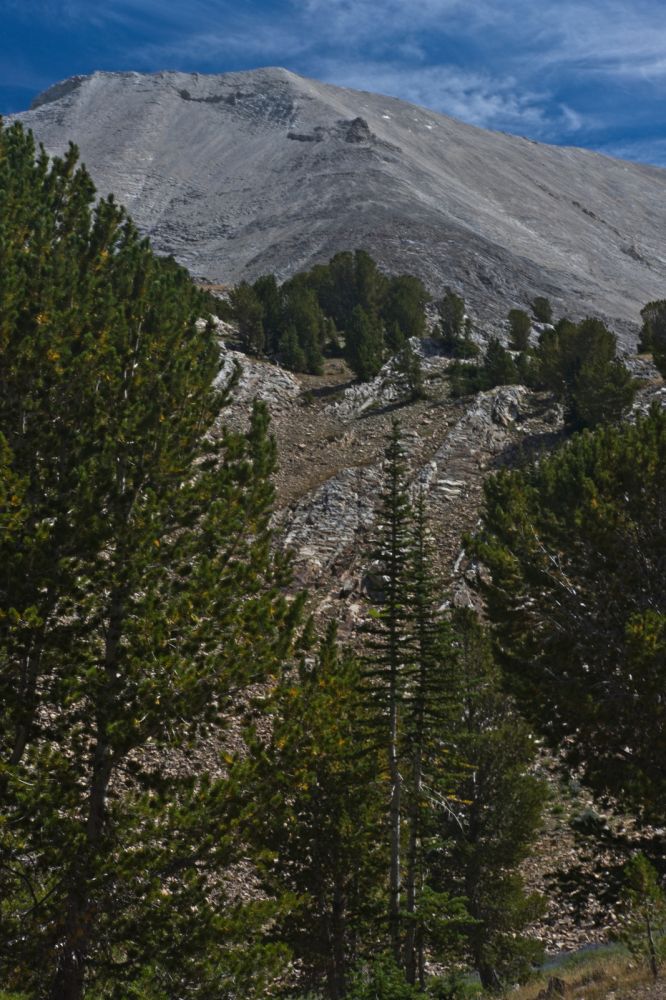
582 72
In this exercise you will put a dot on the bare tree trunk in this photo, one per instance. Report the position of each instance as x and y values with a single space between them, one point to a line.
80 923
420 958
69 981
654 964
68 984
411 872
394 821
337 967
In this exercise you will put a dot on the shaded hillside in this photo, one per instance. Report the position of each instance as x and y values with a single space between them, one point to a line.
246 173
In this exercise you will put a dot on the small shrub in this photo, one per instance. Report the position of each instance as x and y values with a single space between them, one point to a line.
381 979
454 986
643 913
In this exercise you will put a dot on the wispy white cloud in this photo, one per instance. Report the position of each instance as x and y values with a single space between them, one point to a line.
353 20
368 45
478 98
611 38
600 36
649 151
256 44
624 37
547 69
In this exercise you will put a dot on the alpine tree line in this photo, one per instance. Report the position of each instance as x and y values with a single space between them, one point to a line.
380 801
350 308
347 306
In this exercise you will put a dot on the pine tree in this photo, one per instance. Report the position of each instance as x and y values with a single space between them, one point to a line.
409 366
388 663
428 750
520 328
249 314
270 297
542 309
465 347
408 674
140 568
577 362
494 818
575 550
316 808
498 366
301 313
335 284
404 305
291 352
653 332
394 338
370 285
602 392
451 309
364 344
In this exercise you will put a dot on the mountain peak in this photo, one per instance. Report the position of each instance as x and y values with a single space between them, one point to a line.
241 173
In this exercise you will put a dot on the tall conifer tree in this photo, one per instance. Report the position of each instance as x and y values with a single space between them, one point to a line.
498 811
316 808
139 597
364 343
388 660
428 723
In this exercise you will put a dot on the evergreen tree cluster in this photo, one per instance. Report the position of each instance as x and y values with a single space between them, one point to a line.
575 547
576 362
347 305
142 608
393 801
497 367
457 809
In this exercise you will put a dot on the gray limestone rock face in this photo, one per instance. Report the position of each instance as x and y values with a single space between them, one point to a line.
245 173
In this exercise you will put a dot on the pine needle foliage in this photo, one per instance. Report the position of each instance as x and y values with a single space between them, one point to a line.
299 321
653 332
317 807
138 599
408 673
388 653
429 747
575 549
494 816
578 363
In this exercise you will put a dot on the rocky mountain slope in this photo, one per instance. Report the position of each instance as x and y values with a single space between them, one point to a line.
245 173
331 434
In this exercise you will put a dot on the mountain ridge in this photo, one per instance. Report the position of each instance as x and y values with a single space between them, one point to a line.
242 173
